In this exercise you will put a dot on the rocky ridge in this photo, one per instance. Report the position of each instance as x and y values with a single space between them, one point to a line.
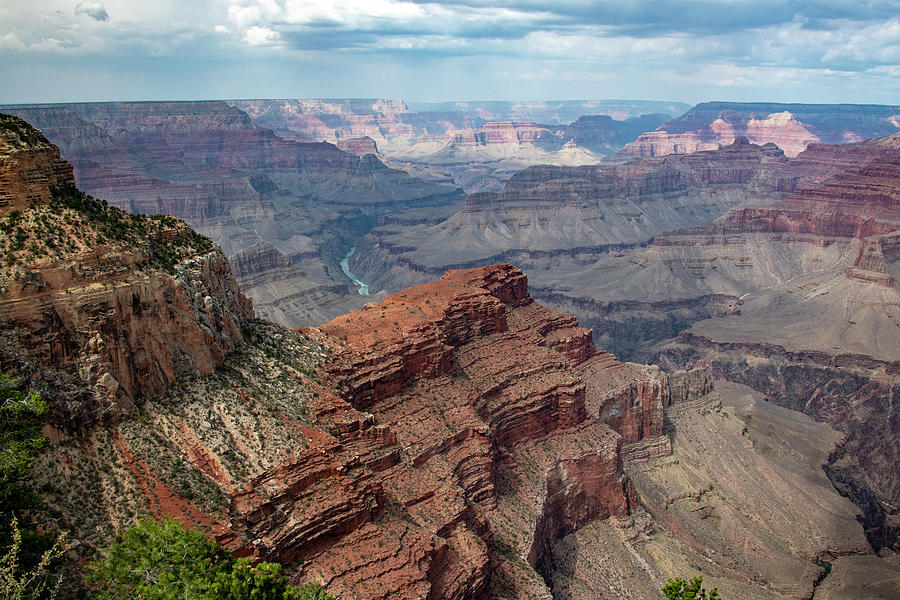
477 146
396 125
89 295
240 184
793 127
449 441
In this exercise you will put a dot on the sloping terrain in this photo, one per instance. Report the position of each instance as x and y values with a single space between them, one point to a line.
241 185
725 503
575 229
824 341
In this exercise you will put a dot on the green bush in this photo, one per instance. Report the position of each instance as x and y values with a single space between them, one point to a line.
166 561
24 550
21 416
19 582
681 589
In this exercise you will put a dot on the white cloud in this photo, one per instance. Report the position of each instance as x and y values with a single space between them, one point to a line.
244 16
878 42
48 45
261 36
11 41
561 47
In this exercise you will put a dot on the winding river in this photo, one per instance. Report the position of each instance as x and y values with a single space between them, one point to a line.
361 287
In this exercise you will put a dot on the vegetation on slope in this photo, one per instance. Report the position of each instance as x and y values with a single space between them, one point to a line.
247 414
26 136
28 558
21 414
18 581
684 589
75 223
166 561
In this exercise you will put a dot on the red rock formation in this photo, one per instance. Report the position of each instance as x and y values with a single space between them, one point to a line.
359 146
95 308
463 382
792 127
30 168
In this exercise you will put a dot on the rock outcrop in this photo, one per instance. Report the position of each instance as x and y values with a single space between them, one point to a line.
93 298
450 441
792 127
823 337
240 184
359 146
487 376
30 166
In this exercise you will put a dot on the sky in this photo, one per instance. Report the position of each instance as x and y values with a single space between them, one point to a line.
680 50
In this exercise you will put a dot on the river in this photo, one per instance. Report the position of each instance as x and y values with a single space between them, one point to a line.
361 286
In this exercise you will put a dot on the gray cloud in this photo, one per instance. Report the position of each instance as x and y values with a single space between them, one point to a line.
93 9
652 17
688 50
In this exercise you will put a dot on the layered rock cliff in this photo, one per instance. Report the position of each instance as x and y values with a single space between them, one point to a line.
102 308
396 125
487 377
822 338
792 127
30 167
547 210
455 440
476 145
452 441
240 184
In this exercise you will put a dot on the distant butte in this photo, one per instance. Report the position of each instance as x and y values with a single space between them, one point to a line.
793 127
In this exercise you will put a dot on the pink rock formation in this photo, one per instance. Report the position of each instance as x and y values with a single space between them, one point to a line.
792 127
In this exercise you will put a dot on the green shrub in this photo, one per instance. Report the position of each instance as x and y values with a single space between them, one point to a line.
681 589
166 561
